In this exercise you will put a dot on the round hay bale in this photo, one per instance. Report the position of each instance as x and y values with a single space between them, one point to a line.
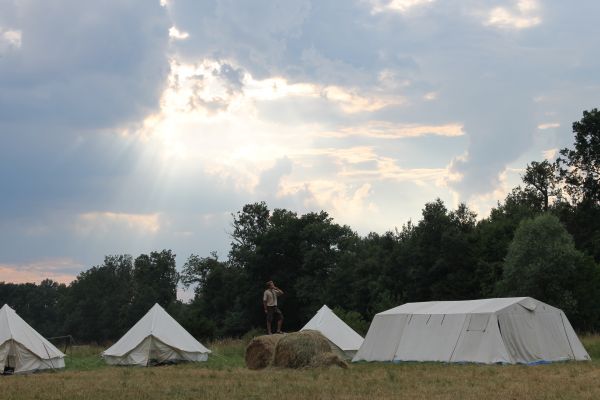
259 351
300 349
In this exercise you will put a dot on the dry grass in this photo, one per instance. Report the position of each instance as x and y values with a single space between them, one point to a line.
224 377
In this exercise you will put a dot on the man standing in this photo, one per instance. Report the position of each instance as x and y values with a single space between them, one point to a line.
270 305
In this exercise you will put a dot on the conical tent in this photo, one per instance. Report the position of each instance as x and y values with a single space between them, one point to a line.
507 330
156 338
23 348
336 331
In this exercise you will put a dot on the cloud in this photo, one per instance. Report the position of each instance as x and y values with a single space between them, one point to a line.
59 270
175 34
523 15
270 179
106 222
388 130
82 66
347 202
548 125
253 33
10 40
133 126
550 154
400 6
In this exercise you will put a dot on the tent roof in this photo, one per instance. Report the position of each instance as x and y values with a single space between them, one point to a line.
461 307
159 324
334 329
13 327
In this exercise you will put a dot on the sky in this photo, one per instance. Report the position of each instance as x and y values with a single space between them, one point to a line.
128 126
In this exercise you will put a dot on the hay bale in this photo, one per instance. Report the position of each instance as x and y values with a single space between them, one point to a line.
259 351
304 349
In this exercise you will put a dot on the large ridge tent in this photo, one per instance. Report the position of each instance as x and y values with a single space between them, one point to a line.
343 338
22 348
156 338
505 330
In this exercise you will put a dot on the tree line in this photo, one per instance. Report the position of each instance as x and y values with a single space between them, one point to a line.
542 240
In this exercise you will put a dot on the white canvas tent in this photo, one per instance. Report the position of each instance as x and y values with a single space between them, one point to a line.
336 331
505 330
23 348
156 338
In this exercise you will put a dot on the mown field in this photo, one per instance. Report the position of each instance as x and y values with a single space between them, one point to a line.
225 377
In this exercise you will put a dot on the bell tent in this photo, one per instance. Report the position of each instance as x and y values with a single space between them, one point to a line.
344 339
22 348
154 339
507 330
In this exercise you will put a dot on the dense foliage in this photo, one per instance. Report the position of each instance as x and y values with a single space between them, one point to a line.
542 241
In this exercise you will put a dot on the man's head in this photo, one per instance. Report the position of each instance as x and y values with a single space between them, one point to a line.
270 285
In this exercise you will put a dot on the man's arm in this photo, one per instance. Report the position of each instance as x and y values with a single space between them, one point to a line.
265 301
279 291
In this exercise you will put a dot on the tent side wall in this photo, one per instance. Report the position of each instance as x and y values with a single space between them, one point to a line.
480 341
540 335
151 350
383 338
161 352
137 356
579 352
430 337
15 355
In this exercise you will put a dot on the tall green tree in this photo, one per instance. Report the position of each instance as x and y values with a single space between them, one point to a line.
155 280
579 170
542 178
38 304
96 306
580 166
542 262
439 254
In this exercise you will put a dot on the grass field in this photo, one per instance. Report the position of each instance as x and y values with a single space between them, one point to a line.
225 377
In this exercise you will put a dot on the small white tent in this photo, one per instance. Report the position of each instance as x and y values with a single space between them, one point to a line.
506 330
22 348
156 338
336 331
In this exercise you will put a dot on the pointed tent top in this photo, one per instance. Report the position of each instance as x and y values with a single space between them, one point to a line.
13 327
160 325
334 329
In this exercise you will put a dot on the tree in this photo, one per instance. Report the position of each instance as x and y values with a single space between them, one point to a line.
541 176
438 255
248 225
96 305
580 167
36 304
542 262
154 281
197 269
